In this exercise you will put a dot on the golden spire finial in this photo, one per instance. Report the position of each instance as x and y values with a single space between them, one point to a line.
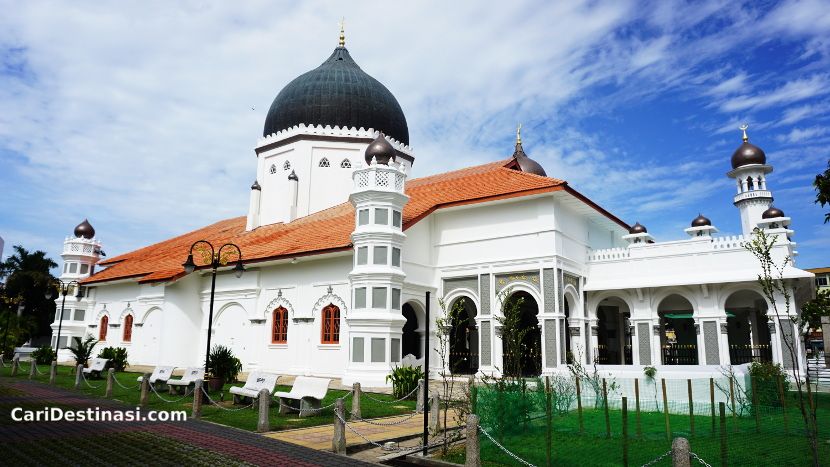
342 32
743 128
519 134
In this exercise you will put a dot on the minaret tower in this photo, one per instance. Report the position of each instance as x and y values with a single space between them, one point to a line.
80 253
749 169
375 321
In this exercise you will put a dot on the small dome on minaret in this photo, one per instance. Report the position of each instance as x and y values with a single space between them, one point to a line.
85 230
701 221
772 213
525 163
381 150
748 153
256 186
292 177
637 229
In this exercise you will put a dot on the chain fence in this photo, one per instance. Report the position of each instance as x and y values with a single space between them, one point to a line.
129 388
170 401
92 386
697 458
227 409
381 401
504 449
318 409
657 459
393 423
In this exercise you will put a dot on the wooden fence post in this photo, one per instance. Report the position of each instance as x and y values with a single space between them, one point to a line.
637 406
473 448
338 442
579 405
549 422
712 402
783 398
196 410
625 430
666 409
110 377
356 413
724 457
691 407
263 422
605 403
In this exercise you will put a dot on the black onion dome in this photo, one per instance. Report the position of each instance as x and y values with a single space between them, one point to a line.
337 93
292 177
526 164
772 212
256 186
84 229
701 221
381 149
746 154
637 229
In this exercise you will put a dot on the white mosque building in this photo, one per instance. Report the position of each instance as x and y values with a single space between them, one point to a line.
340 247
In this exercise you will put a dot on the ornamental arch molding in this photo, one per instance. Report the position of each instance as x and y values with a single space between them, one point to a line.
595 301
515 287
277 302
450 299
225 307
570 293
127 311
329 297
727 292
146 314
684 292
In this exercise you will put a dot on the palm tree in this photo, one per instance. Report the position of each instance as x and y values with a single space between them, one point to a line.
27 276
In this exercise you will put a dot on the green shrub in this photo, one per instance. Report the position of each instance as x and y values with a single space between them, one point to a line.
117 357
43 355
766 376
506 405
223 364
82 349
405 380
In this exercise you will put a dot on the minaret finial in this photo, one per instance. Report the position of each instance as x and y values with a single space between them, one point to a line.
519 134
342 42
743 128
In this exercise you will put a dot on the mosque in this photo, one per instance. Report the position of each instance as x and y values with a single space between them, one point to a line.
339 249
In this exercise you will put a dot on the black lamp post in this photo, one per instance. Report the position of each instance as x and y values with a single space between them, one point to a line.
217 259
56 287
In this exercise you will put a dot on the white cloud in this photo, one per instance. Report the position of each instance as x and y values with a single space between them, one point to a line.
793 91
797 135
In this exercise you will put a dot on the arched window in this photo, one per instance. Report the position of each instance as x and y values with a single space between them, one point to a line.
330 325
749 185
346 164
102 331
324 162
128 329
279 326
273 169
286 165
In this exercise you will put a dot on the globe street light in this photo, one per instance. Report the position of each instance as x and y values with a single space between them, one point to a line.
214 259
54 288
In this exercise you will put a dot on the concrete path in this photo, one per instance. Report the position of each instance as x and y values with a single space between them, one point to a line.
113 443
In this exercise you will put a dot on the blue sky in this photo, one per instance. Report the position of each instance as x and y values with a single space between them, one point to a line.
144 117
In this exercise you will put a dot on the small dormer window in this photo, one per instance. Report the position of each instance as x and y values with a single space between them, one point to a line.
286 165
273 169
324 162
346 164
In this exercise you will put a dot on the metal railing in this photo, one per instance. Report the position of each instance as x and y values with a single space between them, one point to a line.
740 354
680 354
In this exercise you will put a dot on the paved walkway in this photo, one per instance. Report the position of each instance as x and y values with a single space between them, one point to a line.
115 443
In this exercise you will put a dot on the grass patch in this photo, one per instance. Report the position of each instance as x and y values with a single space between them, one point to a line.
773 443
245 419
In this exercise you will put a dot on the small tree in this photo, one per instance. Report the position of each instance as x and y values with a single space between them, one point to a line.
822 186
82 349
444 325
512 333
772 282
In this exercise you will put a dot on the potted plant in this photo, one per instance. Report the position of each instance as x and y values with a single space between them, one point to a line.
223 367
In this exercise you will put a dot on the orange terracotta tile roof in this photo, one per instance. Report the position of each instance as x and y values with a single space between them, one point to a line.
819 270
328 230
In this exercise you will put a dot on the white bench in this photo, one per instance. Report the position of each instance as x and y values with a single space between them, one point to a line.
188 379
306 395
23 354
98 365
257 381
161 374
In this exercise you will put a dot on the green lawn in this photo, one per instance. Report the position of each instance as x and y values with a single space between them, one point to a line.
245 419
771 445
